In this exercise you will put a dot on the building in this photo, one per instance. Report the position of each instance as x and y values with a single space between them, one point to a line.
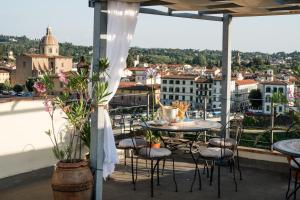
139 75
241 93
193 89
217 93
4 75
49 60
178 87
204 90
135 94
267 88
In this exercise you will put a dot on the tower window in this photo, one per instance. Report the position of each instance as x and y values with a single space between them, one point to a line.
50 50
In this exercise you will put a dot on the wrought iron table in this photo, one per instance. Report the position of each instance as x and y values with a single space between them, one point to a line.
290 148
197 127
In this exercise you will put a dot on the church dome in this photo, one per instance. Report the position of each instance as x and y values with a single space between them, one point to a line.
49 39
49 45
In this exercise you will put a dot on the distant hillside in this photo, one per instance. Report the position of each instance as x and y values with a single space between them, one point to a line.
20 45
250 60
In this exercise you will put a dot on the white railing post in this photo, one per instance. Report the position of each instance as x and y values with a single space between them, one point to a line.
226 71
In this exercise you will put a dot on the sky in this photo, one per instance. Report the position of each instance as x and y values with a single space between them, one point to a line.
72 21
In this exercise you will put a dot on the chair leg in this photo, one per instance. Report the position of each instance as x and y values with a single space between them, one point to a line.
152 172
136 172
238 163
194 178
157 172
219 184
234 179
199 179
295 186
174 178
207 170
125 157
211 172
163 168
132 169
289 185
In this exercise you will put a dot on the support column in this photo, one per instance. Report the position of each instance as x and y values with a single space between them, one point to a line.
226 71
97 119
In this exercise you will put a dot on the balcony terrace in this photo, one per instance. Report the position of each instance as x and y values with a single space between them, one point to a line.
264 171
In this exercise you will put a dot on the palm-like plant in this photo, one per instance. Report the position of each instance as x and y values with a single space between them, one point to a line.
77 106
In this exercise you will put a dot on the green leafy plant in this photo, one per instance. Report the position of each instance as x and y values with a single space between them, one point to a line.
76 104
18 88
29 84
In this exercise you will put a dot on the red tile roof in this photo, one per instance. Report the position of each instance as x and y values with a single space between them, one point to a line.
124 84
275 82
245 82
179 76
43 56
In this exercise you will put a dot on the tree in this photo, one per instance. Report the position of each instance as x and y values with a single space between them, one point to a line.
18 88
29 84
255 98
2 87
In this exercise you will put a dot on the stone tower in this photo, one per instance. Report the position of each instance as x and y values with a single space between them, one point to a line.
49 45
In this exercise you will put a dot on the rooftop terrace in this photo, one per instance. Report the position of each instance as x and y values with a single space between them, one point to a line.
256 184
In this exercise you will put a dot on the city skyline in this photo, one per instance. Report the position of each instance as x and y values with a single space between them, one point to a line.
263 34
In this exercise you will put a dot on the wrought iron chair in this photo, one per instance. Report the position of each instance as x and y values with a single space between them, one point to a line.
218 156
132 144
156 154
232 142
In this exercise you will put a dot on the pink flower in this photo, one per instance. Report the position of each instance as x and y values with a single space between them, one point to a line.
62 77
40 87
48 105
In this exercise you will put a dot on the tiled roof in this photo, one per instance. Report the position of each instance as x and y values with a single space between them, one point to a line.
275 82
3 71
43 56
179 76
124 84
245 82
137 86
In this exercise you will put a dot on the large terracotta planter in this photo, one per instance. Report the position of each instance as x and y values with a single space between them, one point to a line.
72 181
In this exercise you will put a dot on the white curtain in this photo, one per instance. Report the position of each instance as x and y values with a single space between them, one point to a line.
122 19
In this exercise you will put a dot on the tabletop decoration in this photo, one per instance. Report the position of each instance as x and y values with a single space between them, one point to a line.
182 108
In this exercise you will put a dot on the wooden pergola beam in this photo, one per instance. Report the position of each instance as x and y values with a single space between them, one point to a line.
181 15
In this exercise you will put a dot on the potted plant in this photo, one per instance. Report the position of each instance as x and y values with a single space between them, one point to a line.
153 139
72 177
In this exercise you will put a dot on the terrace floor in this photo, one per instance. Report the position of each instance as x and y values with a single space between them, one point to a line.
256 185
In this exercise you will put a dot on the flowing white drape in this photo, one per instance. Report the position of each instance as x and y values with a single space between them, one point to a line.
122 19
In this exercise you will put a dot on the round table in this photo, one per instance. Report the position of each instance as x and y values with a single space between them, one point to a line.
290 148
197 125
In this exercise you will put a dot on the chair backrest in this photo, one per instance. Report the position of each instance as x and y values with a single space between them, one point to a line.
234 127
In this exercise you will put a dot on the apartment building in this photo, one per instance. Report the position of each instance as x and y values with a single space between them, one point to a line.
269 87
178 87
242 91
204 90
193 89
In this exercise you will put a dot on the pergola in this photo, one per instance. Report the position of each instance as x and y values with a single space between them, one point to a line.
213 10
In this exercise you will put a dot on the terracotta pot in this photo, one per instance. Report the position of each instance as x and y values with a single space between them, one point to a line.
155 146
72 181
